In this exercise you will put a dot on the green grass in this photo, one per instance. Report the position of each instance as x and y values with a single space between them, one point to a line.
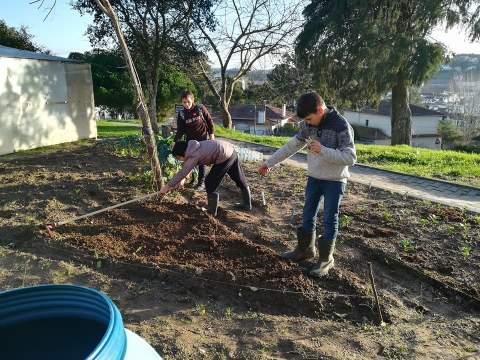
447 165
108 129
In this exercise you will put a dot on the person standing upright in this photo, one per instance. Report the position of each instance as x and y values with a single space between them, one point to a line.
330 140
194 121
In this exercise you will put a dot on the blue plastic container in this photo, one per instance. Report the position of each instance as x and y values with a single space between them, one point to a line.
59 322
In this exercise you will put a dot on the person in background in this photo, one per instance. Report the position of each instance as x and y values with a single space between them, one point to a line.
330 140
194 121
219 153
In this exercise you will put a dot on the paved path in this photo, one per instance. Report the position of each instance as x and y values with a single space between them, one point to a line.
438 191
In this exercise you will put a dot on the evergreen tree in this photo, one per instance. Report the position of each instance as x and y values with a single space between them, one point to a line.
359 50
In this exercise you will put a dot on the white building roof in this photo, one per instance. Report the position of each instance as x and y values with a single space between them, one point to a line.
24 54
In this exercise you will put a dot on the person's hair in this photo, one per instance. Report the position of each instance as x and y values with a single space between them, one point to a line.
308 103
179 148
186 93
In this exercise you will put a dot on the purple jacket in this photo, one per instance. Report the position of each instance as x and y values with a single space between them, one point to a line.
207 152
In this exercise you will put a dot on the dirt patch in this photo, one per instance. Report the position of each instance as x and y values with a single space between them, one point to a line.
199 287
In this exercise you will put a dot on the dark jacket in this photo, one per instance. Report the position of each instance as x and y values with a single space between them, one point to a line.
195 124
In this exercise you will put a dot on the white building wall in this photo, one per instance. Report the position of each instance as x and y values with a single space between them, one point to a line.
374 121
420 124
44 103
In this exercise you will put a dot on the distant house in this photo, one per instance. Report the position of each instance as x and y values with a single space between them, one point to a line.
424 125
44 100
251 119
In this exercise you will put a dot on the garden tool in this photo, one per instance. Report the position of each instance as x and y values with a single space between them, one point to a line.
49 227
305 247
325 262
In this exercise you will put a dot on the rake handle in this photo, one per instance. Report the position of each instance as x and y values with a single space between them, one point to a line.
102 210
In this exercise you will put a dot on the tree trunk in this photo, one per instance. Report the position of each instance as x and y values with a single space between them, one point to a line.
152 104
401 114
141 108
226 117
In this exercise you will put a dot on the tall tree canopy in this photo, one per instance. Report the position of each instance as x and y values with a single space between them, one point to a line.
152 31
19 39
287 81
358 50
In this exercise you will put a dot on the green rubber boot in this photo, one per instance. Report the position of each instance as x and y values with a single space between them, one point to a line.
325 262
305 247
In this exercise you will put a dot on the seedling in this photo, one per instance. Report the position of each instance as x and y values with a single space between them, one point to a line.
406 246
450 229
477 219
465 252
201 309
465 226
387 215
229 311
434 219
424 222
345 220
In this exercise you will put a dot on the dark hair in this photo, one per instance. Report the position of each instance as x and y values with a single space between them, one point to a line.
308 103
186 93
179 148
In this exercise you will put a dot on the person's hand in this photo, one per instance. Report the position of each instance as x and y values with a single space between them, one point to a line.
181 185
212 136
315 146
163 190
263 169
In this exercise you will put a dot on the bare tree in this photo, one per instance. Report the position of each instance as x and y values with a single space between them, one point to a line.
157 178
245 31
467 109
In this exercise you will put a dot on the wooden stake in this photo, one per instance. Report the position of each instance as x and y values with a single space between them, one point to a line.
375 294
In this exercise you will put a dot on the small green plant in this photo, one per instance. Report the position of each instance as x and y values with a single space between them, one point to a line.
406 246
434 219
450 229
229 311
465 252
387 215
424 222
477 219
465 228
345 220
45 264
201 309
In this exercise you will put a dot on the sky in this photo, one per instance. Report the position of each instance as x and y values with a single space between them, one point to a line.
63 31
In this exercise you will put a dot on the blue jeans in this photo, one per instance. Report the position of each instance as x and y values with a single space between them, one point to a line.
331 192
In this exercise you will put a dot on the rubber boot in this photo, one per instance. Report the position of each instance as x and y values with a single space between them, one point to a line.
247 200
200 186
305 247
325 262
212 204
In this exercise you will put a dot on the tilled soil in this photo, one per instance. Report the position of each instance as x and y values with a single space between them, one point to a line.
195 286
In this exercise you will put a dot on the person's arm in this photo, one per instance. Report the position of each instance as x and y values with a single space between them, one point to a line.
287 150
